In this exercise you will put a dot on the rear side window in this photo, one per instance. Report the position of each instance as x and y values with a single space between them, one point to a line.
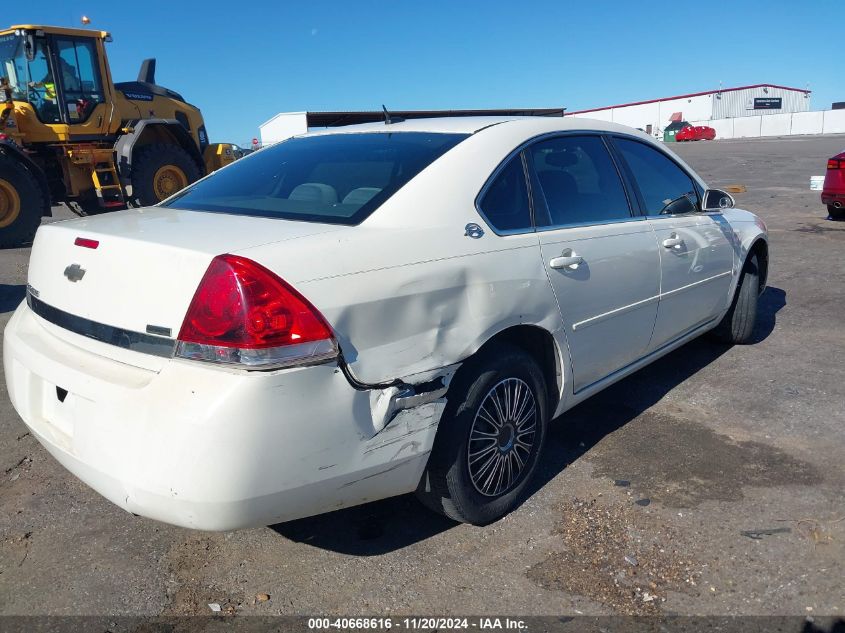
505 203
335 178
577 182
664 187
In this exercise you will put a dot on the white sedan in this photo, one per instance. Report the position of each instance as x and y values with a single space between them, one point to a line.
370 311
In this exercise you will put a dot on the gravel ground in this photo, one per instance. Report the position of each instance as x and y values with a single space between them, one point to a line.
709 483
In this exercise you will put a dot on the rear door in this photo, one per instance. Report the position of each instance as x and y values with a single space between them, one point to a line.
696 249
602 260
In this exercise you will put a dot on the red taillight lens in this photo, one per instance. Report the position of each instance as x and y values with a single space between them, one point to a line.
835 164
243 313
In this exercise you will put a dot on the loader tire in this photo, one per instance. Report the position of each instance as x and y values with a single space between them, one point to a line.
160 170
22 203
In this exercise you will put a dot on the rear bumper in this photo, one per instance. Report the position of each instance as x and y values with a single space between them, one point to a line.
209 448
831 197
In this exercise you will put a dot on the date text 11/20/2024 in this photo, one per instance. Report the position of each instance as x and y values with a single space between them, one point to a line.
419 623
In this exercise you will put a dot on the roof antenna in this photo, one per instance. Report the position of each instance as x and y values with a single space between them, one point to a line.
388 118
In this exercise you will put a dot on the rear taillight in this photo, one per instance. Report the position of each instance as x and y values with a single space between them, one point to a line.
835 164
244 314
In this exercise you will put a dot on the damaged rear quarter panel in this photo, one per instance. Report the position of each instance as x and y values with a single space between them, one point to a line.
406 291
400 321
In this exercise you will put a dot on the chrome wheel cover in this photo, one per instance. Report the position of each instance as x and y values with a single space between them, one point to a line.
502 437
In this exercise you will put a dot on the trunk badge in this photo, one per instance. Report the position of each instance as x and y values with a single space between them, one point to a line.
74 272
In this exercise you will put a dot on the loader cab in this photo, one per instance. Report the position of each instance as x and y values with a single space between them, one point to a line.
60 73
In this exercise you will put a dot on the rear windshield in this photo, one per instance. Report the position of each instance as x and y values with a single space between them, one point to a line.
335 178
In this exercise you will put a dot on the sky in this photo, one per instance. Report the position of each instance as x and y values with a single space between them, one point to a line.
243 62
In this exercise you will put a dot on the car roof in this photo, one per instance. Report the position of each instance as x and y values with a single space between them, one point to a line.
475 124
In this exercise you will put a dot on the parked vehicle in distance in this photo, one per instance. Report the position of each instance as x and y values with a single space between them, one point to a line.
369 311
833 191
695 133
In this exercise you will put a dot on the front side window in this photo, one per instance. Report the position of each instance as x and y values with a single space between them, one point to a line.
13 65
576 182
664 187
80 77
332 178
505 203
30 79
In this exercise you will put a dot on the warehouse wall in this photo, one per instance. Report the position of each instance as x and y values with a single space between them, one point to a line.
834 122
776 125
790 124
282 126
734 103
657 113
725 105
635 116
700 107
747 126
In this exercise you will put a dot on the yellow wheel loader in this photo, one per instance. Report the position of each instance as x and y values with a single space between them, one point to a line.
69 134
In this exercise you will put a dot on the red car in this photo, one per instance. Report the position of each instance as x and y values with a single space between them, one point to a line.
833 192
696 133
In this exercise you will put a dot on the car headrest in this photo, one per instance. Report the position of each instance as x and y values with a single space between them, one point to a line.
314 192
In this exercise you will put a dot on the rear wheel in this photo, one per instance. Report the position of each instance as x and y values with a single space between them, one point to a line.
836 214
160 170
489 439
22 203
738 324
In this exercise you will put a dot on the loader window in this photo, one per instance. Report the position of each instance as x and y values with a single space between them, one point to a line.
80 77
41 89
12 64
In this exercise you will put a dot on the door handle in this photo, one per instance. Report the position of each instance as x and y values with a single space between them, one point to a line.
673 241
566 261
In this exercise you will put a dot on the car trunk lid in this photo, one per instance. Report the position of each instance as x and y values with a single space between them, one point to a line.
135 272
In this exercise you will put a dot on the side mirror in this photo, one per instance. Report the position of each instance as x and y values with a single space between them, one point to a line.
717 200
29 46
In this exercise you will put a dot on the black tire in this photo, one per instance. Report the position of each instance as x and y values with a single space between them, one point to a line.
146 163
737 326
836 214
31 202
447 485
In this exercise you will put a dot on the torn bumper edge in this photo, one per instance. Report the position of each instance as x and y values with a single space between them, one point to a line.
415 392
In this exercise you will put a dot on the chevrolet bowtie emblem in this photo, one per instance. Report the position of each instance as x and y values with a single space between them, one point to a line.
74 272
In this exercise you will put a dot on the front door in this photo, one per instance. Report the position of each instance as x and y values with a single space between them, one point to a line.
81 97
696 249
601 260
